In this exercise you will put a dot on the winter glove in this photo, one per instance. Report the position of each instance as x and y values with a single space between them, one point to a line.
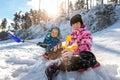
42 44
55 48
38 44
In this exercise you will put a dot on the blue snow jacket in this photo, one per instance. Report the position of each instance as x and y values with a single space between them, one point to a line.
49 41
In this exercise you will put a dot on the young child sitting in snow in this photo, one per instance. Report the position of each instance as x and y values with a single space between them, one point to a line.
80 58
81 37
51 40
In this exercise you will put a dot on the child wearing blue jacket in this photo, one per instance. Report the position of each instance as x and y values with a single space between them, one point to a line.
52 39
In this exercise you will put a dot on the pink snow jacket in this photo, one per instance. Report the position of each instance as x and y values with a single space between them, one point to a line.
83 39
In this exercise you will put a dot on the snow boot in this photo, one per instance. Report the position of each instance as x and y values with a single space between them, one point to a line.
52 71
45 56
53 68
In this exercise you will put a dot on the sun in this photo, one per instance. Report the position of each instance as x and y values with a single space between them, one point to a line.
49 6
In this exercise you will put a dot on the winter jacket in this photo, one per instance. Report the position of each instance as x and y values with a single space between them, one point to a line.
49 41
83 39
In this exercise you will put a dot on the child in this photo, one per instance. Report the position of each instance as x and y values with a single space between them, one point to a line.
51 40
83 58
81 36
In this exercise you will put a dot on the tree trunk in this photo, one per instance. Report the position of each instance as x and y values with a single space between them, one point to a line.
102 2
68 7
87 4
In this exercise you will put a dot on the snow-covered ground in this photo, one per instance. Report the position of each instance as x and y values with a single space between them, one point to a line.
23 61
106 46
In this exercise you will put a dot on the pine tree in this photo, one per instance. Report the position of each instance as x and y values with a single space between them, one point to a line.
4 23
16 27
79 4
32 17
28 20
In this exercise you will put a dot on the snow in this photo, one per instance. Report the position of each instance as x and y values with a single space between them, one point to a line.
23 61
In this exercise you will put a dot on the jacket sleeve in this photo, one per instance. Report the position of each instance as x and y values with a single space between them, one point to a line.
44 44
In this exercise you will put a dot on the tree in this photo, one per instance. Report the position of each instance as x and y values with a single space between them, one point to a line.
76 5
101 1
26 20
87 5
17 20
32 15
70 6
4 23
116 1
16 27
61 9
79 4
17 16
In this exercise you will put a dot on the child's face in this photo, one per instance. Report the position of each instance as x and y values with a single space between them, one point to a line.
54 33
76 26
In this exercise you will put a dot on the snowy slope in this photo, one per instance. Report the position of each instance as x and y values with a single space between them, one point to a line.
23 61
106 47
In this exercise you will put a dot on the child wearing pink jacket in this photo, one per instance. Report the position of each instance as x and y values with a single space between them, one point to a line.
80 35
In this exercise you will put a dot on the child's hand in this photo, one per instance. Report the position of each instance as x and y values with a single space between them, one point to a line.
55 48
42 44
39 43
66 54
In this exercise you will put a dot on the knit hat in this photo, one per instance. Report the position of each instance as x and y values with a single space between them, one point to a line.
75 19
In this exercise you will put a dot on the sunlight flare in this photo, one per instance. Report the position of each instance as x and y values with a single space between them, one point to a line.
49 6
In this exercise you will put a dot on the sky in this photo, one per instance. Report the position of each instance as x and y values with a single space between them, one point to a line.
9 7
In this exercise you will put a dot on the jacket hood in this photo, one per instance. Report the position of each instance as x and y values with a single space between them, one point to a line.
55 28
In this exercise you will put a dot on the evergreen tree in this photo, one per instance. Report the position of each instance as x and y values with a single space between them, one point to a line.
16 26
32 17
17 16
27 20
79 4
17 20
4 23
